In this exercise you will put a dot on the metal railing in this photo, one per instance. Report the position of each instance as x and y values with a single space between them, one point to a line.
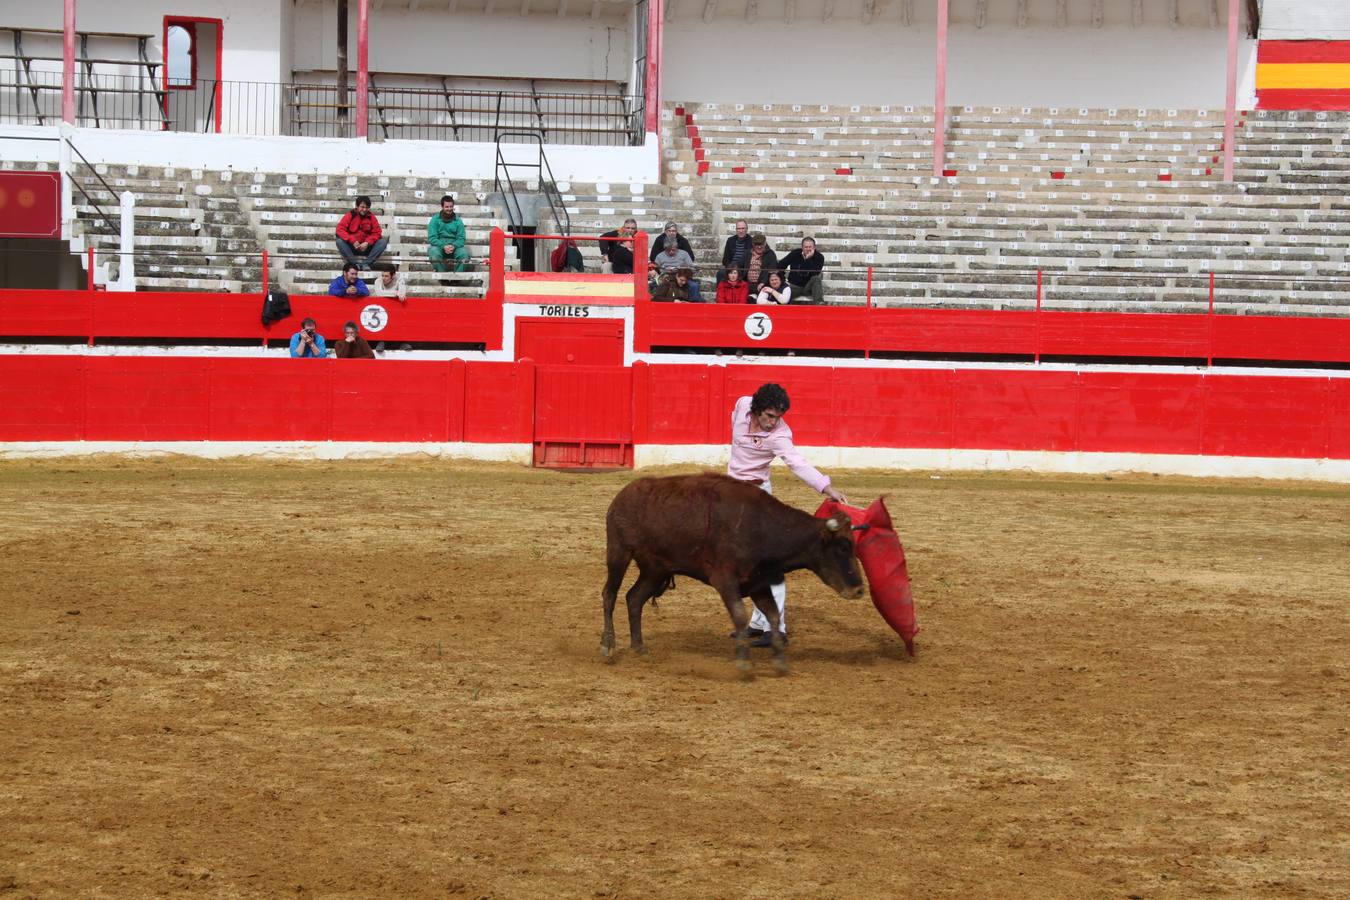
314 110
505 185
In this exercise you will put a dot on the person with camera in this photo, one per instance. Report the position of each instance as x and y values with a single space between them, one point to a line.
307 342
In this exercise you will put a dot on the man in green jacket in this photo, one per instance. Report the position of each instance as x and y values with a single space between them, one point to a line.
445 237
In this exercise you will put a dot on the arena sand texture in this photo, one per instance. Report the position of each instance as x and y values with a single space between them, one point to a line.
382 679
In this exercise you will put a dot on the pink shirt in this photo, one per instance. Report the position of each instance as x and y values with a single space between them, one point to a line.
752 450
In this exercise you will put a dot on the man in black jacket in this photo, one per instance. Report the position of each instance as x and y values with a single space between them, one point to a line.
736 253
805 269
680 240
619 254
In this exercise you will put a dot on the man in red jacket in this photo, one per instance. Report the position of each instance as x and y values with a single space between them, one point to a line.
359 237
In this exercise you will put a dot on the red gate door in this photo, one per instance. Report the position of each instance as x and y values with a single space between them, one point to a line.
596 342
583 416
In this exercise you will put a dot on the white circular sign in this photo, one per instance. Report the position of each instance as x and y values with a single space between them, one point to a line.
758 326
374 317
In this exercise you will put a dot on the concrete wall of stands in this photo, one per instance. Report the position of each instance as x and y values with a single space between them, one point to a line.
432 39
121 398
332 156
257 45
1117 65
1301 20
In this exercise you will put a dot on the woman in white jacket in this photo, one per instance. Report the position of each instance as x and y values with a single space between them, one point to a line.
776 291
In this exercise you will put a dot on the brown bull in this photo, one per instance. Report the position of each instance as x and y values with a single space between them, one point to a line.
726 533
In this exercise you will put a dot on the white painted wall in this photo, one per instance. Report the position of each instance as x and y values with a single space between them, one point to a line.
252 29
1293 20
331 156
434 40
1152 66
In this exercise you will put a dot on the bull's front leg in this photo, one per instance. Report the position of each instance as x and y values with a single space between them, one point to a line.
764 602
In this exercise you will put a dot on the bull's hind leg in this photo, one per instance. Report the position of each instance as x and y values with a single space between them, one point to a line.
765 603
617 563
643 590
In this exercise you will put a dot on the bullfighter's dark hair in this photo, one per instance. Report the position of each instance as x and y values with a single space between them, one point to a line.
363 198
769 396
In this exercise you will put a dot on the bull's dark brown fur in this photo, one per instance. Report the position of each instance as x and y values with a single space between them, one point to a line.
726 533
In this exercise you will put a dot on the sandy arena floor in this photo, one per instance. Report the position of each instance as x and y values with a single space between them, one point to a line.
382 679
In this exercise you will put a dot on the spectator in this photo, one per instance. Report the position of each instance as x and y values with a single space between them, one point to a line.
672 234
672 257
736 253
348 284
678 286
566 257
805 268
618 255
307 343
445 238
352 345
391 283
359 237
733 289
762 262
776 291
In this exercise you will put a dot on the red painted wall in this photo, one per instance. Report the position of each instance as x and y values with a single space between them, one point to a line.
128 398
82 315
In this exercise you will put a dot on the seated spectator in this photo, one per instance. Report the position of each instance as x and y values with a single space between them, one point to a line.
348 284
307 343
776 291
678 286
352 345
359 237
566 257
762 262
805 269
736 253
445 238
672 257
672 234
618 255
390 283
733 289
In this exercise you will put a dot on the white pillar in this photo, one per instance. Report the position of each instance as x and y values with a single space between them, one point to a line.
126 260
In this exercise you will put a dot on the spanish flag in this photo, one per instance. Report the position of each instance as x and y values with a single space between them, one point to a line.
1303 75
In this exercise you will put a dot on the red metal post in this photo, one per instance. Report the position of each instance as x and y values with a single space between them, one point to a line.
867 348
940 94
68 65
89 281
1039 292
1230 107
1209 348
640 252
656 13
497 266
264 291
362 66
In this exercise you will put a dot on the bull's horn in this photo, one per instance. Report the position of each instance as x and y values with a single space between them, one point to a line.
832 524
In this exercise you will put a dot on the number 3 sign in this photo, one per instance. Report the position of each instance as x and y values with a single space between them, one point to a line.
374 317
758 326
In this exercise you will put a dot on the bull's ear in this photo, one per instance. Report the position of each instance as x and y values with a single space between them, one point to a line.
832 524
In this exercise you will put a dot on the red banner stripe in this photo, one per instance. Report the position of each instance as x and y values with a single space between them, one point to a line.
1303 52
1303 99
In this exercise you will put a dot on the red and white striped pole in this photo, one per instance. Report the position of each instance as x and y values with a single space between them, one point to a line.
362 66
1230 107
656 11
940 97
68 64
